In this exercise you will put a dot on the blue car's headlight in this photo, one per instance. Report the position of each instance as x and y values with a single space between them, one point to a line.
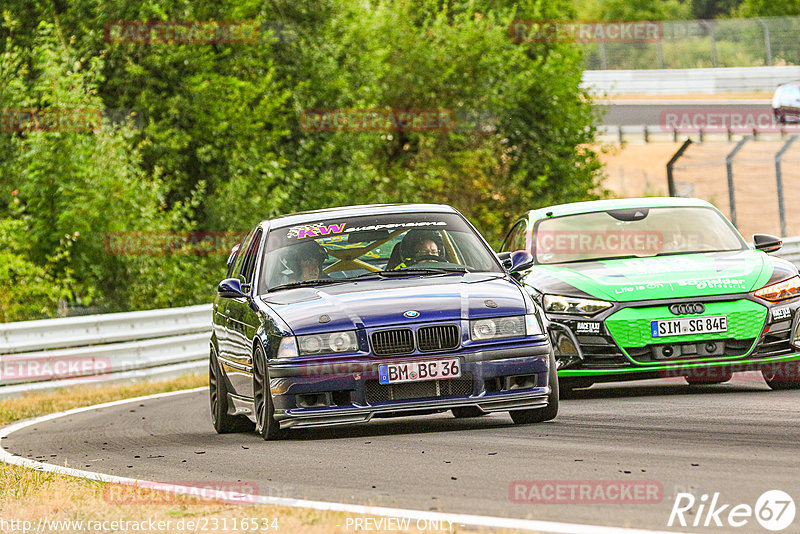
328 343
287 348
502 327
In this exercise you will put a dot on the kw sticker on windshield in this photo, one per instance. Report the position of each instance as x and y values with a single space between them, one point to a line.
393 226
315 230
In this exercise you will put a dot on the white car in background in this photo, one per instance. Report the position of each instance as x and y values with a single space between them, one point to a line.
786 102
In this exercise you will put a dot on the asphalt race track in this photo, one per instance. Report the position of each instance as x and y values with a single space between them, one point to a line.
739 439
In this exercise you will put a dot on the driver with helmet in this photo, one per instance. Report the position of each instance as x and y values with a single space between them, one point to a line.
424 249
417 246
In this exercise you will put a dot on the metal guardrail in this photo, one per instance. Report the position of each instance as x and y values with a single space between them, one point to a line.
688 81
790 250
52 353
654 133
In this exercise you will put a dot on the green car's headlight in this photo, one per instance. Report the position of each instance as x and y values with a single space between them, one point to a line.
328 343
787 289
573 305
501 327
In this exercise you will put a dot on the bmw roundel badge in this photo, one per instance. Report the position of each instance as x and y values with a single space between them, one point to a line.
411 314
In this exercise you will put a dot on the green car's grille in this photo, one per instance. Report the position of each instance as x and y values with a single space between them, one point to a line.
630 327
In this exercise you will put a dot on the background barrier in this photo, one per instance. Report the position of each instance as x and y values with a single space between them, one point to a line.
153 344
689 44
688 81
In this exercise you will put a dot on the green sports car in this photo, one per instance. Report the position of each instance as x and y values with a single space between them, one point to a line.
659 287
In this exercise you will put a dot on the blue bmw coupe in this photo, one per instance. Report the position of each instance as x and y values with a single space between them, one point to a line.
340 315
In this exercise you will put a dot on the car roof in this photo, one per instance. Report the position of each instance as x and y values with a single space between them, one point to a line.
618 203
356 211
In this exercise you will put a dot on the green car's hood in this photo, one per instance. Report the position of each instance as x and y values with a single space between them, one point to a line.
686 275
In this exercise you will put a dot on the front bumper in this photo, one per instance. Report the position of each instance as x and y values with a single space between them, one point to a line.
348 391
621 349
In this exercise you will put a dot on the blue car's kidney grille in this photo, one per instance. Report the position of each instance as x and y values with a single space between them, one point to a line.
389 342
430 338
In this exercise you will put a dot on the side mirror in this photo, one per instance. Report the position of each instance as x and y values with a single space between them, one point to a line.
520 260
767 243
231 288
505 259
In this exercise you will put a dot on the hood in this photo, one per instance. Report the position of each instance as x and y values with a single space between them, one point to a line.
378 303
679 276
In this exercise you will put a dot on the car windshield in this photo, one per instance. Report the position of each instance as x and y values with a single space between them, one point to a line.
636 232
340 249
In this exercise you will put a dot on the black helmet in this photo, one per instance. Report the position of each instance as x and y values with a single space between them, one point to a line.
413 238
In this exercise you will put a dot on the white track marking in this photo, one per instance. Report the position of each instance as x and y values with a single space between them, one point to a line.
226 496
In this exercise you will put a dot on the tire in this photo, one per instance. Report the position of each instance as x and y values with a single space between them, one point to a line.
782 376
539 415
223 422
712 378
569 386
266 425
466 411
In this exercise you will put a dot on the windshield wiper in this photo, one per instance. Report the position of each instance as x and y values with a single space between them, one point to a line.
306 283
433 270
605 258
374 274
679 252
426 270
412 271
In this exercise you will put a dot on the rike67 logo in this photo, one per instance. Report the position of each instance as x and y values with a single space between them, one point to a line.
774 510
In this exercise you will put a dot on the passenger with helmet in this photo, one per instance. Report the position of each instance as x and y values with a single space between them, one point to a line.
306 261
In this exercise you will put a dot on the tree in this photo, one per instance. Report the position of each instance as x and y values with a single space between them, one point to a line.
771 8
218 141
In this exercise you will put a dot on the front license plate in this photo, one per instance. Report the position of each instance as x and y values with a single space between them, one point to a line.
689 325
393 373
